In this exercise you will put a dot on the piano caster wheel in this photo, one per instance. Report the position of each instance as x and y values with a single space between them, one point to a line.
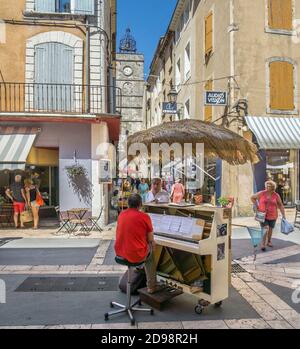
106 317
199 309
218 305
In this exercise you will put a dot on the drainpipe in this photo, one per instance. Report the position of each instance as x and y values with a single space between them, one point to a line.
87 68
111 90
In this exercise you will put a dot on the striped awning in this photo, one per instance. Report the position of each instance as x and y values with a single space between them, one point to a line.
274 132
15 145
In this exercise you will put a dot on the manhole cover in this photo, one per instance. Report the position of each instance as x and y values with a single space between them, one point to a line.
67 284
237 269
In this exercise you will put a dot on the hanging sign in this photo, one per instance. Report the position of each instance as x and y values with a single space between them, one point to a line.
215 98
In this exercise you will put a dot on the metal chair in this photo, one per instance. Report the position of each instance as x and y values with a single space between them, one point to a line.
128 308
94 220
64 221
297 217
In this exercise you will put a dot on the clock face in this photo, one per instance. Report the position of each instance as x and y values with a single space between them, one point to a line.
127 71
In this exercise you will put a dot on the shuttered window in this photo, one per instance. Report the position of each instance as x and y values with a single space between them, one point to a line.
208 111
209 34
45 5
85 7
282 86
280 14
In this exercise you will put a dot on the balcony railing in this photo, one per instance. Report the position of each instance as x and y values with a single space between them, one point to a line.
59 98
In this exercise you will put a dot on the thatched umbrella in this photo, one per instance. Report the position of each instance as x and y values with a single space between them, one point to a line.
218 141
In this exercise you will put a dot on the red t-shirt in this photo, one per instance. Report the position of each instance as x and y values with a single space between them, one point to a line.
269 205
132 235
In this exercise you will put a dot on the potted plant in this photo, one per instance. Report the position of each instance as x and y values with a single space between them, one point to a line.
75 171
224 202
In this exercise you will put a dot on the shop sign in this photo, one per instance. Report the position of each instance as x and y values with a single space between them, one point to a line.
105 175
170 108
215 98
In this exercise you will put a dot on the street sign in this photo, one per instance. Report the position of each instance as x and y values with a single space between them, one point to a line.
215 98
169 108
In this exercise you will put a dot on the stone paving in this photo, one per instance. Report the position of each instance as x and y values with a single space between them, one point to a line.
274 313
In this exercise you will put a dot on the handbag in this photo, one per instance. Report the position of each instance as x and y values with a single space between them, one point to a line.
26 216
39 200
286 227
261 216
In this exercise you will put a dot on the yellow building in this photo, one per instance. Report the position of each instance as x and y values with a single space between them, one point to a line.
57 60
249 49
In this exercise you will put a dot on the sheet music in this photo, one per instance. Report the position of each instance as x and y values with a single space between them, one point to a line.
176 226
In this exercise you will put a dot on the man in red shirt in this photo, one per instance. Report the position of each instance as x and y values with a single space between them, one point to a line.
135 242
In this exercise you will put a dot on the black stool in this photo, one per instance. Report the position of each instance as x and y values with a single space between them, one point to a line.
129 308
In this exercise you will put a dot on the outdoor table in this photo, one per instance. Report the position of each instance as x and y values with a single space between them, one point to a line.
79 220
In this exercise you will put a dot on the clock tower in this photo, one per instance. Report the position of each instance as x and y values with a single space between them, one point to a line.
130 79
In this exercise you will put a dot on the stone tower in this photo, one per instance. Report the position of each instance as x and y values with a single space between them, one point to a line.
130 79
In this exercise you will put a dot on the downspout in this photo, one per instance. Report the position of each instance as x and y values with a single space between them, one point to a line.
87 68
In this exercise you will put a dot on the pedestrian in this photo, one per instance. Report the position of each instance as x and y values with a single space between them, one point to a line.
269 202
16 194
178 192
135 241
157 193
32 193
143 189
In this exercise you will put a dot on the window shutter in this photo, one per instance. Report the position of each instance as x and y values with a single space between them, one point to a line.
208 110
282 86
45 5
209 34
84 7
280 14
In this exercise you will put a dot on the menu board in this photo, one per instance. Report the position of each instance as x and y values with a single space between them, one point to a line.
178 227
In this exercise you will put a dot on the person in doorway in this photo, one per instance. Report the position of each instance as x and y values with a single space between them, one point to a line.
16 194
32 191
268 201
156 193
135 241
36 180
178 192
143 190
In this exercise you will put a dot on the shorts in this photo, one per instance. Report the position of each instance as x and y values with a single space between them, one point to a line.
269 223
34 204
19 207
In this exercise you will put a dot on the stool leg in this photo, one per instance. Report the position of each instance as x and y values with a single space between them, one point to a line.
129 287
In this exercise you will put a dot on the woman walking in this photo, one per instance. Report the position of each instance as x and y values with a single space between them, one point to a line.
178 192
269 202
32 192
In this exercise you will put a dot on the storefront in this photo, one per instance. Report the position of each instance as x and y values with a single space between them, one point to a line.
279 143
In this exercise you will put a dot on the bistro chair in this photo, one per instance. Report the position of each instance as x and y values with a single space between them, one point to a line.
297 217
75 221
128 308
6 215
63 220
94 220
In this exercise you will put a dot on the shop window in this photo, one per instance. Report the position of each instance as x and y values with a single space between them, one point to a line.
208 36
208 111
281 168
280 14
282 86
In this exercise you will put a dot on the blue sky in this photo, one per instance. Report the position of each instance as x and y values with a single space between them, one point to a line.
148 21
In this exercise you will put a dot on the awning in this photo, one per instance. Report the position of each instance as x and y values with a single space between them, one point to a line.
15 145
274 132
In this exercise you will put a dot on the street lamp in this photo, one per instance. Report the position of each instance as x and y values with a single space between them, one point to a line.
172 95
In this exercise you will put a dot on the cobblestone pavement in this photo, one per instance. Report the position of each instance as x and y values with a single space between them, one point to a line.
254 285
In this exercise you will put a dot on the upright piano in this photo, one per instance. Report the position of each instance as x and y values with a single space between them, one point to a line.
193 251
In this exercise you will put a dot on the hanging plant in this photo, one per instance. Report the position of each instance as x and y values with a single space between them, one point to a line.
75 171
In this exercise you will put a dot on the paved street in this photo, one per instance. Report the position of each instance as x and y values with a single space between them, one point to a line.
37 270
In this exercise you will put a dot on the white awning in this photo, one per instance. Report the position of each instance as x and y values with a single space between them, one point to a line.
274 132
15 145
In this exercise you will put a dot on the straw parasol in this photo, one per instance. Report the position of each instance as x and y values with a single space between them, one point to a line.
218 141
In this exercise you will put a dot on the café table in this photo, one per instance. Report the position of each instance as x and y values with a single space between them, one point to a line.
78 219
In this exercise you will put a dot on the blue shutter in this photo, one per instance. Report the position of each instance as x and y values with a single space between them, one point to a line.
54 66
45 5
85 7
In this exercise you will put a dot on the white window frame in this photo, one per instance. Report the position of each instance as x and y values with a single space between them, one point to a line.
268 90
178 74
279 31
30 7
187 113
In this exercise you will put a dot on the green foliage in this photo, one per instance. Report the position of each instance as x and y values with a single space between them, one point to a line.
224 201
